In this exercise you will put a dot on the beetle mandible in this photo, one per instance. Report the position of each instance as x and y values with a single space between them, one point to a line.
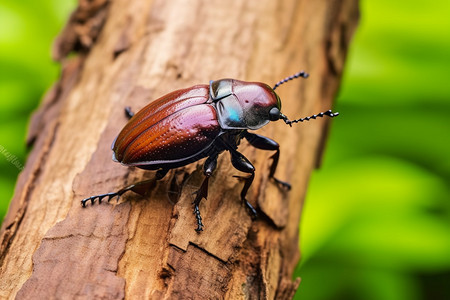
201 122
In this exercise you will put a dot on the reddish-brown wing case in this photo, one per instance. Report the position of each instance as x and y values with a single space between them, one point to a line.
170 131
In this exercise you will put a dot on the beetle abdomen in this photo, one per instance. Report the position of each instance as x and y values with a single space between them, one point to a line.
175 138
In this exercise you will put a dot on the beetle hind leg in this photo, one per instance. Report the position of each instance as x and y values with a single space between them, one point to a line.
141 188
101 197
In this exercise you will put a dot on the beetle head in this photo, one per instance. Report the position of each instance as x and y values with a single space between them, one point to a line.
251 105
260 103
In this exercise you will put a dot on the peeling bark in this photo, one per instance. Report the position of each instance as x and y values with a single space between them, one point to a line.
127 54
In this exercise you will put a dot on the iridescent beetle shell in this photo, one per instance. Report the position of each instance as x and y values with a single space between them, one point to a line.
180 127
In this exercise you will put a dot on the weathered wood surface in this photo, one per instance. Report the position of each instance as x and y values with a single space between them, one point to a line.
130 52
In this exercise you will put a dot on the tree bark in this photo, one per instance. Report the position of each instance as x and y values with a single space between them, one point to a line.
128 53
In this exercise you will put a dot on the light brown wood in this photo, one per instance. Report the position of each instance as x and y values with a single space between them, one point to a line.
130 52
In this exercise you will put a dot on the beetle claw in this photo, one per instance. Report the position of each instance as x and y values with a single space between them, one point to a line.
92 199
199 219
100 198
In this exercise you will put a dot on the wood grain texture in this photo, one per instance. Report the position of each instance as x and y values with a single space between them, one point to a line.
130 52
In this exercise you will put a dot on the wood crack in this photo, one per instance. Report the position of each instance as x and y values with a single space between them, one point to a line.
209 253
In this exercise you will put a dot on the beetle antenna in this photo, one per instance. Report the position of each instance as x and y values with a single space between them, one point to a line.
296 75
327 113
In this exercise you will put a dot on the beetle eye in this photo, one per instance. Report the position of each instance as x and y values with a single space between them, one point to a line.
274 114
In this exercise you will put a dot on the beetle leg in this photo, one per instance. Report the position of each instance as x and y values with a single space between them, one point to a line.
128 112
248 182
200 194
264 143
137 188
241 163
141 188
208 169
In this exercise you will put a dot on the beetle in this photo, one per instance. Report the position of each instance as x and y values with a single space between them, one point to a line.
199 122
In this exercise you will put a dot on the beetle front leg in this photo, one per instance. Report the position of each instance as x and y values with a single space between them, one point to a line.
241 163
208 169
264 143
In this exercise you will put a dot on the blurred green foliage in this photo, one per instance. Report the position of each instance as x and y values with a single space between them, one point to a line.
376 221
27 30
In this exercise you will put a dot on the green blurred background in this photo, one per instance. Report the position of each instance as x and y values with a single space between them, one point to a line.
376 223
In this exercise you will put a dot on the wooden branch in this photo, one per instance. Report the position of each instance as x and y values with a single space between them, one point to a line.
127 54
